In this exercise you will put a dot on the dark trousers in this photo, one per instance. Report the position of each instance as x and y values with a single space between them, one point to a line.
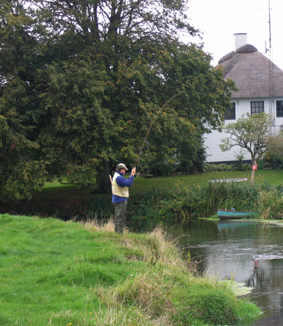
120 216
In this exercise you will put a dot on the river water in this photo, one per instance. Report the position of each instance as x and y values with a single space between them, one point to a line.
248 252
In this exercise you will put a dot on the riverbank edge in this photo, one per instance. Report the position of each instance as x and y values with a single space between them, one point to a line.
157 287
181 203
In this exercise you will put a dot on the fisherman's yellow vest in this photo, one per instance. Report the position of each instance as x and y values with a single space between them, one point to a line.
119 191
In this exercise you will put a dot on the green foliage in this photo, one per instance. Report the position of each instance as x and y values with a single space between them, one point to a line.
181 205
27 176
174 199
270 202
242 166
208 167
21 167
270 161
274 154
71 141
80 83
99 208
219 307
250 132
192 158
204 201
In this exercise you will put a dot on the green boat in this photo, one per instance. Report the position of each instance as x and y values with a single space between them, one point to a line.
225 214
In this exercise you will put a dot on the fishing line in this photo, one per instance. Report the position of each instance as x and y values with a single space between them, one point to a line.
149 129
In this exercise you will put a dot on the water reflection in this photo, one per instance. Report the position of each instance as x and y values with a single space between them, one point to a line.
248 252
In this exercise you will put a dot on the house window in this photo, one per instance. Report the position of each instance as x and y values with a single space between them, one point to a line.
230 114
279 109
257 107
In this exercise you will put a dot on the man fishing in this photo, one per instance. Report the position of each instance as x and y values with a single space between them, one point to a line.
120 194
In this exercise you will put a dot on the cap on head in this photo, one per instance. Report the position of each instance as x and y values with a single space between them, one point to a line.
122 166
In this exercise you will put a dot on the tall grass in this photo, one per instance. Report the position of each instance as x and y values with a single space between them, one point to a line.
65 273
270 202
183 204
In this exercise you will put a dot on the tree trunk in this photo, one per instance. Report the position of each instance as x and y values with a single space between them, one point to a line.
254 167
253 177
104 185
188 168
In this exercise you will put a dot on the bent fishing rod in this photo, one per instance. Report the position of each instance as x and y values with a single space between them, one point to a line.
149 129
153 121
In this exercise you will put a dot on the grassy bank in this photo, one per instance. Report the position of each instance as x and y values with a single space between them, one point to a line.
59 273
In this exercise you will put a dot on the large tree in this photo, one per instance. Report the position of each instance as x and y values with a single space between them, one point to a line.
21 168
94 75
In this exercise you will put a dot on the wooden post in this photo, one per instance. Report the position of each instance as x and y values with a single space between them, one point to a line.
254 168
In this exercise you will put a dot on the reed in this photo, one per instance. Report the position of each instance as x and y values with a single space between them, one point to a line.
184 204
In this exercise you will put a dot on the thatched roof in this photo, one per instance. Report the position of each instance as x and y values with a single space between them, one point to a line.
251 71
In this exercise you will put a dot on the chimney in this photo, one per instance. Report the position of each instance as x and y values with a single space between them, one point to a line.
240 40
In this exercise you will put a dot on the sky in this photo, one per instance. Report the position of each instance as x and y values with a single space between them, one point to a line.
219 20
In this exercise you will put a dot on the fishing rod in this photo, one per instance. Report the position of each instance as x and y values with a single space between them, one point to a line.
149 129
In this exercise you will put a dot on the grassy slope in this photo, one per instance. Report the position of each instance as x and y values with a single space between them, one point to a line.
57 274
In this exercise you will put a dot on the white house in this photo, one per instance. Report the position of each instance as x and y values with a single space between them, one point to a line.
260 89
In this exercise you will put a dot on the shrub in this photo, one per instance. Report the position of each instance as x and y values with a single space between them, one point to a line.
272 162
99 207
218 167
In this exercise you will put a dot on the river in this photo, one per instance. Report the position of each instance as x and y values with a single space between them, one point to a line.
248 252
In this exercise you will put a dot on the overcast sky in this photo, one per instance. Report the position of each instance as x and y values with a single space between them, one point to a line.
220 19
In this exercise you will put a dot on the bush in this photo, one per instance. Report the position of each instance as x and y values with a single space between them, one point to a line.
99 207
208 167
243 167
272 162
